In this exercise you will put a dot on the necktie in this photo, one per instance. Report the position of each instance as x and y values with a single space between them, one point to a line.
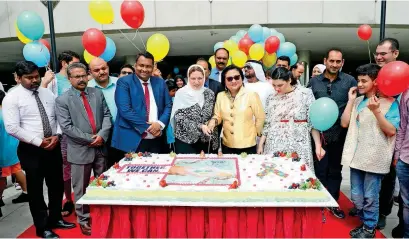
44 118
147 102
89 112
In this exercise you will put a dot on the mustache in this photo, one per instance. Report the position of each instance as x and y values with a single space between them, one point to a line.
82 82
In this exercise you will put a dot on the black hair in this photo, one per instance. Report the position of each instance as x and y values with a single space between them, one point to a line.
227 69
171 85
209 66
146 55
127 66
281 73
228 53
180 77
284 58
295 66
67 56
25 68
333 49
370 70
2 95
393 41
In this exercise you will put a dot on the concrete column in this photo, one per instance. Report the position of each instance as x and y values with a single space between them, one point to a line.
305 57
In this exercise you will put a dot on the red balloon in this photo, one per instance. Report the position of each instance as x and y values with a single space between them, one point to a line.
45 43
272 44
94 41
245 44
132 13
246 36
365 32
393 78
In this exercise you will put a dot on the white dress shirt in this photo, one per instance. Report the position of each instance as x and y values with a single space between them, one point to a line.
153 108
263 89
22 117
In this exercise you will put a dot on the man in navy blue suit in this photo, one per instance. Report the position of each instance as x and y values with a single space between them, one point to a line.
144 108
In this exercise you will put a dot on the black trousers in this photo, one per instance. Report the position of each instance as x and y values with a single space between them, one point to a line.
185 148
250 150
157 145
387 191
329 169
39 165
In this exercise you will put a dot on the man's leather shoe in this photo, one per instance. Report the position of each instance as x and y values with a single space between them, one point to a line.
85 229
61 224
47 234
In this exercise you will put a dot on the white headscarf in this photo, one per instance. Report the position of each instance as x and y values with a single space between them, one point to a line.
187 96
321 67
258 70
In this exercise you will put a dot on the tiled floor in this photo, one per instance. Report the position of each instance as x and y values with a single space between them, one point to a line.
16 217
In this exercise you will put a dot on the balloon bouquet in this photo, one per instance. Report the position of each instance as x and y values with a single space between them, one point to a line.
258 43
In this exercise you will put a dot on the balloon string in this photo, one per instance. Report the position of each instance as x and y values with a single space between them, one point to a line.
129 40
143 43
369 52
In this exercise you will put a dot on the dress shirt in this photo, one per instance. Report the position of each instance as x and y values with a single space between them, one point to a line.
263 89
402 139
109 94
153 111
22 117
216 75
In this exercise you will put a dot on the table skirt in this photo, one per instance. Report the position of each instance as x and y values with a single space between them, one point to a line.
204 222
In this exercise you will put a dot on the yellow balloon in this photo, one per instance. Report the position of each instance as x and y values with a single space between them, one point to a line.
20 35
239 58
229 62
212 61
269 59
158 45
101 11
256 52
88 57
231 46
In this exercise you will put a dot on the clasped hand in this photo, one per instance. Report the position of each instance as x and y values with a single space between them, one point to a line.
49 143
154 129
98 141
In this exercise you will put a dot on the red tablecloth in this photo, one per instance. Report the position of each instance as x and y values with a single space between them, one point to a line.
209 222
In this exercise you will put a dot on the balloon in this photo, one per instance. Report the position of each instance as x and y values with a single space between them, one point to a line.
20 35
241 33
323 113
30 25
365 32
37 53
256 33
273 32
101 11
231 46
176 70
45 43
266 33
217 46
110 50
261 43
286 49
280 36
293 59
272 44
212 61
133 13
236 39
158 45
393 78
269 60
245 44
88 57
94 41
239 58
256 52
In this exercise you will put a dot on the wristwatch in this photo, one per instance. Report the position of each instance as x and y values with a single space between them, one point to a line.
59 136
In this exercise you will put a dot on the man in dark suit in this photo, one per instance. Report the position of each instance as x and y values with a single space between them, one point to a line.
212 84
144 108
85 119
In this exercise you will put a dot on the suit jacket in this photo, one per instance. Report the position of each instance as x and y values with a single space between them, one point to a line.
130 122
74 122
216 87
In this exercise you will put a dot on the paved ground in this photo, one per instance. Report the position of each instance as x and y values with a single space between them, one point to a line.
17 218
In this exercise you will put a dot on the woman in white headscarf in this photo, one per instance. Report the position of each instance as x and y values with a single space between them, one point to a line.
318 70
192 109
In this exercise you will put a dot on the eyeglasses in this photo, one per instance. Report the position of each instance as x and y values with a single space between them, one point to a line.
236 78
79 77
329 90
126 72
247 67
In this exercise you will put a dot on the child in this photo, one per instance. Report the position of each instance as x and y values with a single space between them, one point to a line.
369 145
172 87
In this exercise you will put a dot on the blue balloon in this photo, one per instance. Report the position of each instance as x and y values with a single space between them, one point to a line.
217 46
323 113
110 50
273 31
293 59
266 33
279 35
256 33
236 39
37 53
286 49
176 70
241 33
30 25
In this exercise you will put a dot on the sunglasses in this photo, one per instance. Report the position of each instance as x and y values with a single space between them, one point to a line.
231 78
329 89
126 72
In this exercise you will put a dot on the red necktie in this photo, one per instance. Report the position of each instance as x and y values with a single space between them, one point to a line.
147 102
89 112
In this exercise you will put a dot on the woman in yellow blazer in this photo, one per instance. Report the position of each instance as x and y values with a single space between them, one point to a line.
240 111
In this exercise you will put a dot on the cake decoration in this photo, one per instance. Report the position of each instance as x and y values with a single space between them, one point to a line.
220 154
271 168
303 167
116 165
172 154
309 183
202 154
163 183
243 155
288 155
128 156
234 185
